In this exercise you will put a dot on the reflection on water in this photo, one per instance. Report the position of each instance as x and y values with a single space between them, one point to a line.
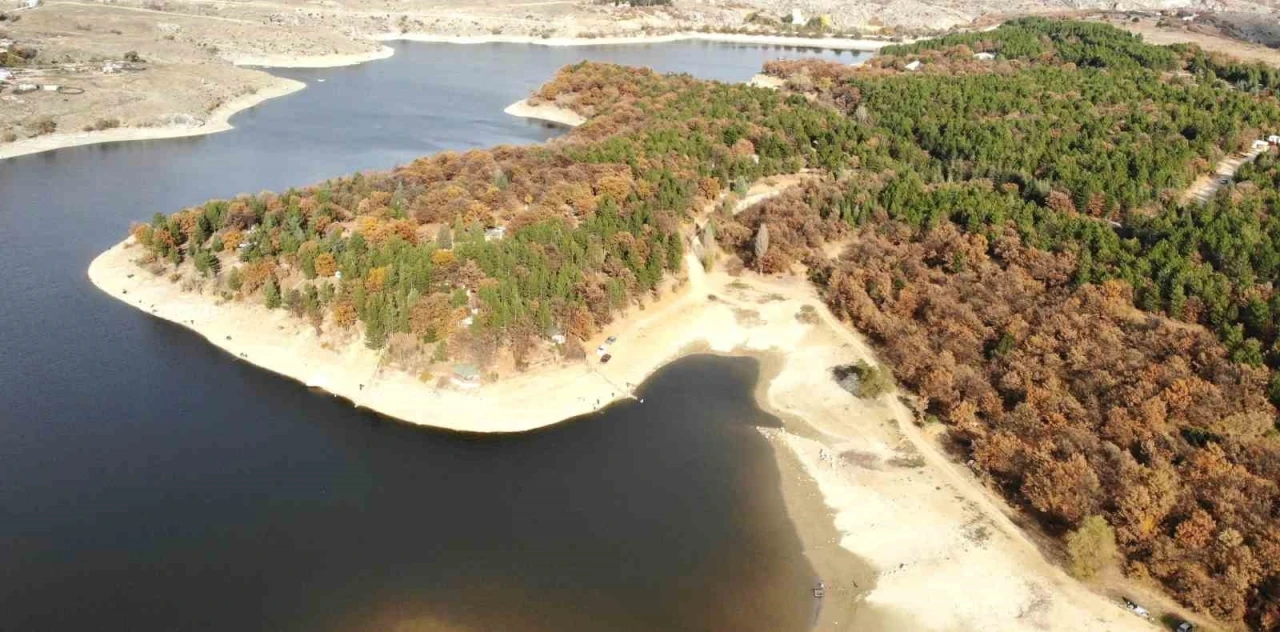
151 482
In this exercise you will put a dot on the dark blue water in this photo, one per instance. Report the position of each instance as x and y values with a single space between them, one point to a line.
151 482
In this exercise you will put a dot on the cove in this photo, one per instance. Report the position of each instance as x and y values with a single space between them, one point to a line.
150 482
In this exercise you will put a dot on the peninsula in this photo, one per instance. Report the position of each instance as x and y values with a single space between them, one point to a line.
1002 214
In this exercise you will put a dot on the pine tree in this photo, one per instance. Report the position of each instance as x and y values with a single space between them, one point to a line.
271 293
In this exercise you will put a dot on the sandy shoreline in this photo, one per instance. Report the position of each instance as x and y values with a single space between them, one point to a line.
829 43
545 112
218 121
312 61
282 344
907 523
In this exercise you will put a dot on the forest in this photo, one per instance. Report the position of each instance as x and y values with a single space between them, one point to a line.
1014 242
1027 268
463 256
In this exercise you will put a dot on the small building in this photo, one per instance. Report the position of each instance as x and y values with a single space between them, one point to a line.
6 74
30 4
915 65
797 17
1274 139
26 87
50 87
111 67
1260 145
495 233
984 56
466 375
556 336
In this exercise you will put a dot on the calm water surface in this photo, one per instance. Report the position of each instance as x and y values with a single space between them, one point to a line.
151 482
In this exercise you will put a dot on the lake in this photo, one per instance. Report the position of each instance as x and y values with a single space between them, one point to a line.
149 481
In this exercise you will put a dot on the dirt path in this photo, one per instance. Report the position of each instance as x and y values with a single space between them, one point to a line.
1205 187
100 5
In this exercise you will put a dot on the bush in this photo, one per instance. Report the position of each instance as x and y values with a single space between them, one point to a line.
863 379
104 123
1091 548
43 125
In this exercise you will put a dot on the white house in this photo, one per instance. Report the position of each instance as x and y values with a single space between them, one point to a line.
495 233
797 17
1274 139
915 65
984 56
5 74
1259 145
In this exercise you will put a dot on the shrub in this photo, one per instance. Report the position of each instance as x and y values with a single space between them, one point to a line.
863 379
43 125
1092 547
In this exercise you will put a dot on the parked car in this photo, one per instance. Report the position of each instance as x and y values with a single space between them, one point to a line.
1186 626
604 359
610 340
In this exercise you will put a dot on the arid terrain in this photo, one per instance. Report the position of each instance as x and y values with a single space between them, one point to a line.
80 72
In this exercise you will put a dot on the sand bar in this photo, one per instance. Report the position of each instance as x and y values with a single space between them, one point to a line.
545 112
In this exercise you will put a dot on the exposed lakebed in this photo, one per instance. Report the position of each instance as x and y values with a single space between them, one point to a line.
149 481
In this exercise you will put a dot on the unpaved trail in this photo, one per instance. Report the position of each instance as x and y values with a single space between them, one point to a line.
1205 187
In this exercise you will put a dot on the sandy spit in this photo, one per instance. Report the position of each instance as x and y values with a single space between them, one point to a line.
282 344
312 61
218 121
830 43
545 112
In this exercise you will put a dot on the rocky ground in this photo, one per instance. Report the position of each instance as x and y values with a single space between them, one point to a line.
161 63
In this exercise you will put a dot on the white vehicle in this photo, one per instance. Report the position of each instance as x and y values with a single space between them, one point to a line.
1136 609
602 349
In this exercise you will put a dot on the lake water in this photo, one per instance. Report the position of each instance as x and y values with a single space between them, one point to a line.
151 482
